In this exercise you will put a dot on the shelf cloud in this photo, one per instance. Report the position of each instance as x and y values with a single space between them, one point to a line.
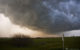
49 16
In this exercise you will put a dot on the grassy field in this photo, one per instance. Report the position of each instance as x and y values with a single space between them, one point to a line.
73 43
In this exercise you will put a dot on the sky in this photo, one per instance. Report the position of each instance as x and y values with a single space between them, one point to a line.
8 29
39 17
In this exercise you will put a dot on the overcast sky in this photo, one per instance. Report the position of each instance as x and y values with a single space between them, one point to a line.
8 29
43 17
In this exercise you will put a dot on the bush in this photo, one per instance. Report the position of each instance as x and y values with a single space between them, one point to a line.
21 40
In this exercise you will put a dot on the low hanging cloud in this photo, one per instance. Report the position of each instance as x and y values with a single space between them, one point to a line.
45 15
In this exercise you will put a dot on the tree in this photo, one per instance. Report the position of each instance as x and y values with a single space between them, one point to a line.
21 40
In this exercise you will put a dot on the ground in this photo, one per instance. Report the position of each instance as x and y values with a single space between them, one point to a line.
70 43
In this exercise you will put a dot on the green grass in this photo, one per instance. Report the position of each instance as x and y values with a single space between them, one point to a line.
43 44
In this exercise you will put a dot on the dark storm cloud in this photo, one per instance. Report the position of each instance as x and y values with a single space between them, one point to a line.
45 15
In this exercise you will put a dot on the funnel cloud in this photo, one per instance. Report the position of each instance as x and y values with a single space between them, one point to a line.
44 15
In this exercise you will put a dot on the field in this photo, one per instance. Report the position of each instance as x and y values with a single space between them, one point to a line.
70 43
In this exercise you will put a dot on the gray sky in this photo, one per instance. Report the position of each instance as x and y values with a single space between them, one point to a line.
8 29
45 16
72 33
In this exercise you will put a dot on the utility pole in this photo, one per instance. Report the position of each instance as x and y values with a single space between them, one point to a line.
63 40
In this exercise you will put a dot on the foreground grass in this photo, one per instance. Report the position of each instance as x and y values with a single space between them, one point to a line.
43 44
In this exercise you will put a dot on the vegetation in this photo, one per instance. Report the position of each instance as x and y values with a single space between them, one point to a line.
21 41
40 43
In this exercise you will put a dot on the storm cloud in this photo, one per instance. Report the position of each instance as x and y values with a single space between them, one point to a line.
45 15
